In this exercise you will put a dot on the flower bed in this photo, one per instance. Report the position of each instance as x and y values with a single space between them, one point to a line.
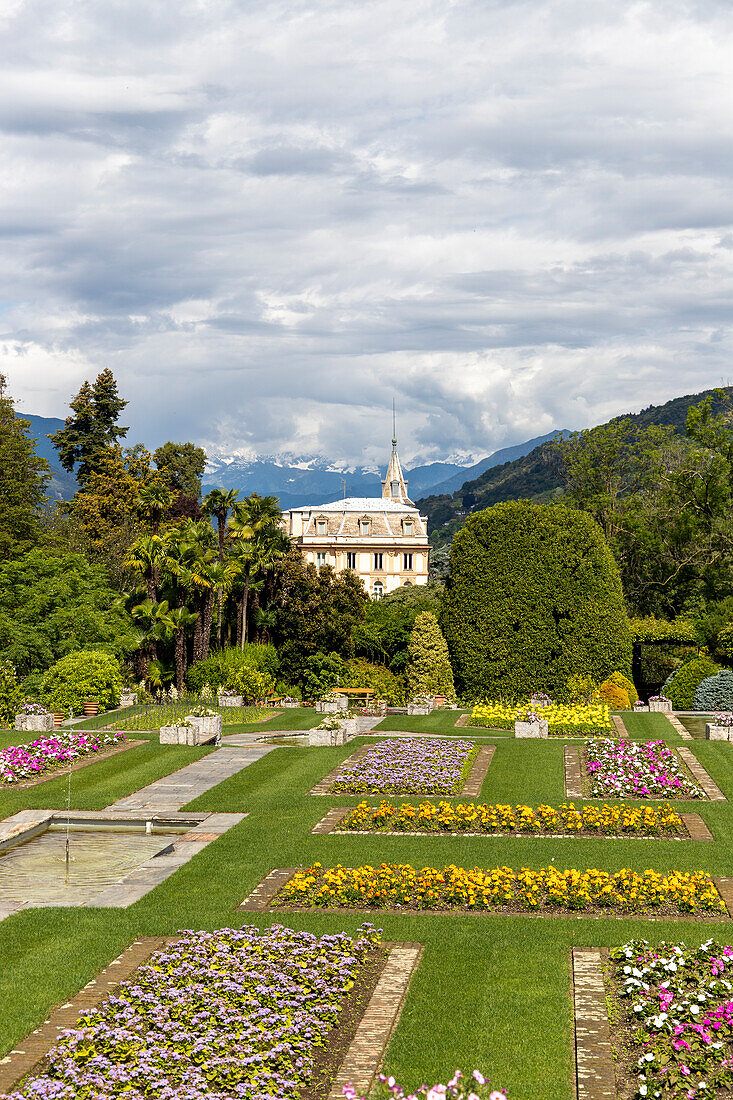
637 769
673 1034
404 766
19 763
400 886
171 714
476 1087
576 720
231 1013
482 817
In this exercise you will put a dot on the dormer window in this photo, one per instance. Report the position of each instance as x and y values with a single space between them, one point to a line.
320 526
395 488
407 525
364 526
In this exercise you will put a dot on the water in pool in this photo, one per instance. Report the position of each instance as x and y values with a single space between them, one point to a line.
34 872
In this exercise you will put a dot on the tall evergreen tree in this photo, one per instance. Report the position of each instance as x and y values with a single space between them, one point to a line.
92 427
23 479
428 664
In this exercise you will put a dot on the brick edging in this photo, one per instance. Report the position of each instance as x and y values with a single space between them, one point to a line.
21 1061
573 772
696 827
595 1077
620 727
678 727
55 773
711 788
363 1059
471 786
261 897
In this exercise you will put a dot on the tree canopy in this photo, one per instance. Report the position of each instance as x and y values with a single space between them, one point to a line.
23 479
92 428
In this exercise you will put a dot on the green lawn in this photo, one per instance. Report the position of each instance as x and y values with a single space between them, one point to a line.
440 721
491 992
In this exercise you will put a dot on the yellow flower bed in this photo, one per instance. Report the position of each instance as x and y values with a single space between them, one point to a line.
399 885
565 720
483 817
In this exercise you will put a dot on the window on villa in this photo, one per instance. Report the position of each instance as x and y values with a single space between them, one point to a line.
395 486
320 560
321 526
407 562
378 590
350 560
408 526
365 527
379 561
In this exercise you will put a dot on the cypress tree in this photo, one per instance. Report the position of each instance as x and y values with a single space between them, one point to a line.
428 669
92 427
23 479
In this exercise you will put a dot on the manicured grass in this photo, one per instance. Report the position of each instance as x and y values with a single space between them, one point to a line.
440 721
300 718
491 992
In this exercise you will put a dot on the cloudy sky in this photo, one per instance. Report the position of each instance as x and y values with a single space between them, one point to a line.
269 218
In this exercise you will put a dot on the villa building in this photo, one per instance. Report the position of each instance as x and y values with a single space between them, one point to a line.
384 540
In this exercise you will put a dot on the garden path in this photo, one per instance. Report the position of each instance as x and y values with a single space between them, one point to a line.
181 787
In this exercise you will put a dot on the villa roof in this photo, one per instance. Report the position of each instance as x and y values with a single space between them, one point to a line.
360 504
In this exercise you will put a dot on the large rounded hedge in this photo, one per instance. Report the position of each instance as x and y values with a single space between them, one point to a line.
715 692
85 674
681 686
533 597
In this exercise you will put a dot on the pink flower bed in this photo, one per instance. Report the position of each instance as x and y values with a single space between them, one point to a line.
19 763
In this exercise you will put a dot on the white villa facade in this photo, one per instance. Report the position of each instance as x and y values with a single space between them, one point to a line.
384 540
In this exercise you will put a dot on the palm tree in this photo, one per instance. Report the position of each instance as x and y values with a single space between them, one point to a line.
253 519
153 501
156 626
219 503
147 557
181 619
221 575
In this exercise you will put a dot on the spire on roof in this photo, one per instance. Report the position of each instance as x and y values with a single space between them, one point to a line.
394 486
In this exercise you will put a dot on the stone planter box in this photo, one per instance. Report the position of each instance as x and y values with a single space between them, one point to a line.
418 708
230 700
34 723
128 698
325 706
200 732
208 728
717 733
641 708
289 704
439 701
532 729
346 732
663 706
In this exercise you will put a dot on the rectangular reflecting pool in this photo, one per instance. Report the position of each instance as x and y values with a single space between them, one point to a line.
695 724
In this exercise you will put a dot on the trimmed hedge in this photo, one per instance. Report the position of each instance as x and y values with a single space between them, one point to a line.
680 687
86 674
428 669
221 668
660 630
715 692
533 597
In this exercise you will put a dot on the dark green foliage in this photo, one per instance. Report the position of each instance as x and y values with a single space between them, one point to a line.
384 634
182 466
319 673
23 480
92 427
659 630
533 598
50 606
715 692
86 674
428 666
680 687
384 684
220 666
11 695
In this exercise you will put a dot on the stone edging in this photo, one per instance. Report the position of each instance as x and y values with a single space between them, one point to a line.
263 894
620 727
26 1056
55 773
678 727
471 786
574 777
363 1059
595 1077
330 822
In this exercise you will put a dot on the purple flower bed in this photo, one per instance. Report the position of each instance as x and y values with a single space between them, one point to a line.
403 766
214 1016
638 770
21 762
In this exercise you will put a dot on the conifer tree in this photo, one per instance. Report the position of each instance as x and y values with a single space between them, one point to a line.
428 669
23 479
92 428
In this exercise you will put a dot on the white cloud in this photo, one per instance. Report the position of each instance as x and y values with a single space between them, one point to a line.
269 219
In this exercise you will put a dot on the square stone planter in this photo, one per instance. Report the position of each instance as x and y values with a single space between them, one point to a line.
201 731
327 706
418 708
128 698
34 723
717 733
641 708
230 700
532 729
346 732
660 706
207 729
290 704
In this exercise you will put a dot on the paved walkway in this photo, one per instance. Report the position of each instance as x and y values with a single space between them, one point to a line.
175 790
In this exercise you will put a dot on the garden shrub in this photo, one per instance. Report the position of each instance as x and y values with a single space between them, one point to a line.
250 683
680 687
428 669
614 695
11 695
319 673
626 685
715 692
533 597
579 689
220 666
384 683
86 674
